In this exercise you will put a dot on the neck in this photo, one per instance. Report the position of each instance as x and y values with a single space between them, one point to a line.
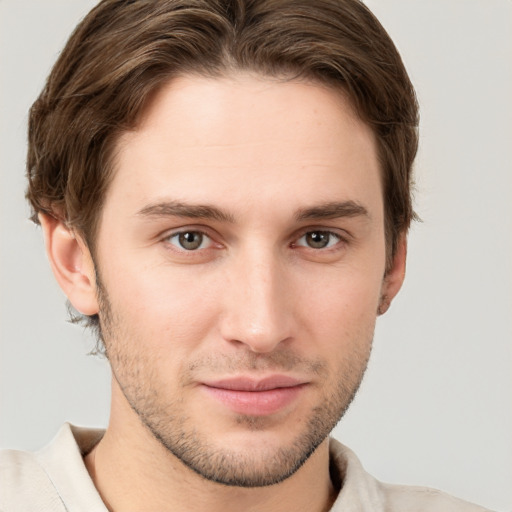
133 471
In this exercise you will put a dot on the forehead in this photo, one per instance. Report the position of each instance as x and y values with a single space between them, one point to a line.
246 140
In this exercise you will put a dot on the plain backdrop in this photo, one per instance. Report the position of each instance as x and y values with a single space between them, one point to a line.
436 405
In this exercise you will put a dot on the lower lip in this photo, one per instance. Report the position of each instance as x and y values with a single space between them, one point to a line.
255 403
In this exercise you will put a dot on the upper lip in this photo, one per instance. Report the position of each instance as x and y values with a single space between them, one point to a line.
255 384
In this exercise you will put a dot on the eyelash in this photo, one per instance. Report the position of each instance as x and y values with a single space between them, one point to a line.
322 232
185 232
202 234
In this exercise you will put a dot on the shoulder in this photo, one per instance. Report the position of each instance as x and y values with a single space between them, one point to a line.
53 479
25 485
411 498
362 492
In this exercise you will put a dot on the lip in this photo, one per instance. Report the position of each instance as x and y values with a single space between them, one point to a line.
255 397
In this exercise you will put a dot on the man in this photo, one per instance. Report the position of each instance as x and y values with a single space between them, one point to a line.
224 189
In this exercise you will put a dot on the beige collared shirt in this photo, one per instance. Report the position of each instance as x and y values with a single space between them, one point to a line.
55 479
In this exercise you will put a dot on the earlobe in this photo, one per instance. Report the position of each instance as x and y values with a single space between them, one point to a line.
72 264
394 277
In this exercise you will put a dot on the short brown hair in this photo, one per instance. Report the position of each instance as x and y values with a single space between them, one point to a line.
125 50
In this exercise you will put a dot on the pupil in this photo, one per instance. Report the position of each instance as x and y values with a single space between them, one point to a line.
191 240
318 239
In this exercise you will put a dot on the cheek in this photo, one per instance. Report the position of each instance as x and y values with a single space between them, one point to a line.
350 295
167 308
342 318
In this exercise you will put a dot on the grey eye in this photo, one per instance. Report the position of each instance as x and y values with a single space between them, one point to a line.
190 240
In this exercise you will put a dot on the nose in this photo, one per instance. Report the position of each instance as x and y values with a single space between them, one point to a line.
257 304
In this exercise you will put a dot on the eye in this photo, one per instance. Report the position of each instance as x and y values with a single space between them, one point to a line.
318 239
190 240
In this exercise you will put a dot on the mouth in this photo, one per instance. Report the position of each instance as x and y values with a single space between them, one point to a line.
255 397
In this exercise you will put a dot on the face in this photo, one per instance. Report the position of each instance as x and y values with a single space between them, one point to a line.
241 258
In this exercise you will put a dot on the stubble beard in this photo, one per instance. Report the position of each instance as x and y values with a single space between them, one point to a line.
257 466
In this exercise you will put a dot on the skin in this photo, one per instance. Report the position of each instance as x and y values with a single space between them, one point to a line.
260 174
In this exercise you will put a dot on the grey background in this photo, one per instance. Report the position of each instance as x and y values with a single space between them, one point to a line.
436 405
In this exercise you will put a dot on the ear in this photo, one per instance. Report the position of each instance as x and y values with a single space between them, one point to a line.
71 263
394 276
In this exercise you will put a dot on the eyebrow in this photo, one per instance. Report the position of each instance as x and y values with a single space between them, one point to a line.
192 211
332 210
